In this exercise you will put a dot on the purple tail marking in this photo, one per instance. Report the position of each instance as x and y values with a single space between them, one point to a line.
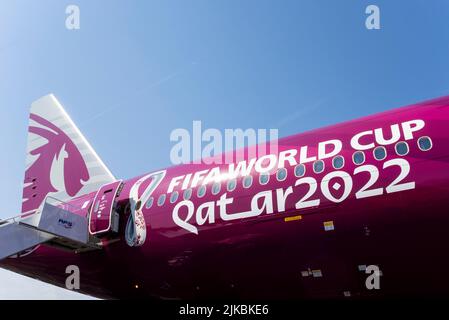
38 174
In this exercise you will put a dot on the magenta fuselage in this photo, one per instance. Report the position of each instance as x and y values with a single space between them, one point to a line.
307 229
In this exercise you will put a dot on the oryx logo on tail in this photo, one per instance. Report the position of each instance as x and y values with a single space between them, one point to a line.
60 161
59 166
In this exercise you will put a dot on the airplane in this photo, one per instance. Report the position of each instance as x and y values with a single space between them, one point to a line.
352 210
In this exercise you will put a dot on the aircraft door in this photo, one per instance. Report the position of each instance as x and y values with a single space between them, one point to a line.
102 210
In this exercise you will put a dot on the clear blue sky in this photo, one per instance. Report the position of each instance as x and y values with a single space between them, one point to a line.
136 70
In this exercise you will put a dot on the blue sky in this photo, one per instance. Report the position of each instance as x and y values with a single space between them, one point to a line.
136 70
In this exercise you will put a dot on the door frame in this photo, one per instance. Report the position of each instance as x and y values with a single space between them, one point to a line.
119 184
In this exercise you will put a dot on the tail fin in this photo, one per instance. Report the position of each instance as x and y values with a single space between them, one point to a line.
59 162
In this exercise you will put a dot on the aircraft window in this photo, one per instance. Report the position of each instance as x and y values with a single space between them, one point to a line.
264 178
187 194
318 166
232 184
281 174
216 188
401 148
300 170
358 157
174 197
161 200
247 181
425 143
149 203
85 204
201 191
338 162
380 153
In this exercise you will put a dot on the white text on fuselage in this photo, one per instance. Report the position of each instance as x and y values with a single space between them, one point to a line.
188 217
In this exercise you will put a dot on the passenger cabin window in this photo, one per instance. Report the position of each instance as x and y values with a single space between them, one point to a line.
281 174
161 200
264 178
358 157
247 181
149 203
318 166
187 194
216 187
174 197
380 153
338 162
201 191
232 184
425 143
300 170
401 148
